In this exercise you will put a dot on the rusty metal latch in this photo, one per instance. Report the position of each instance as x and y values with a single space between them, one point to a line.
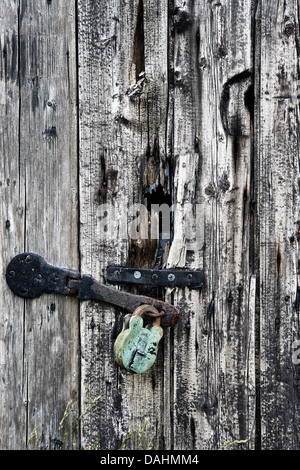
29 276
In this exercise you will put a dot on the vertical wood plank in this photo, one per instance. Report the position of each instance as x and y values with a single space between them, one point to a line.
123 107
12 209
99 169
277 169
43 205
166 117
214 374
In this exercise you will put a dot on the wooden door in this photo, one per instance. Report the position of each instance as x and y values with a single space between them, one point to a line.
114 113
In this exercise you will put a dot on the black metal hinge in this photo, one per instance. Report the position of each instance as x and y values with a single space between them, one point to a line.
155 277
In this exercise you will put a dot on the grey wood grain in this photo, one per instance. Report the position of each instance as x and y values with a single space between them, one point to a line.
214 371
277 174
40 203
108 111
12 208
160 77
120 132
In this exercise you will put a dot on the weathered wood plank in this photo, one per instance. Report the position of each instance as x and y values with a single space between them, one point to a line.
166 116
123 62
12 208
277 180
214 374
154 128
40 203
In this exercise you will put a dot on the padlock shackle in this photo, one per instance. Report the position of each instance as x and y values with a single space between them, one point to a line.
151 311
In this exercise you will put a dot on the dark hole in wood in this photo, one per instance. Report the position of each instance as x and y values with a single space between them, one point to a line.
158 197
139 47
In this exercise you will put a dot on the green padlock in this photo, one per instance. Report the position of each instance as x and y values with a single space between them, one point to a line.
136 346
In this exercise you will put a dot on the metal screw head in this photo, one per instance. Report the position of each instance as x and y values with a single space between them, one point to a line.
171 277
137 274
154 277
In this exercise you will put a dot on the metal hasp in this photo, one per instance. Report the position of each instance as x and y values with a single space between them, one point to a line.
155 277
29 275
